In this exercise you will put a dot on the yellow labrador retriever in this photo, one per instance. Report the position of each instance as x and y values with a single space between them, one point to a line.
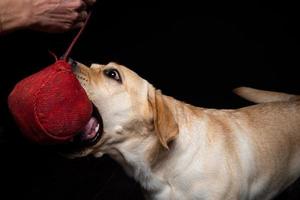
178 151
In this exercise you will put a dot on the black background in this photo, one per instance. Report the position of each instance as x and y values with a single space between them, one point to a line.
194 52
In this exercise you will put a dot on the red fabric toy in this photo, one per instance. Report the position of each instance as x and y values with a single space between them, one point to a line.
51 106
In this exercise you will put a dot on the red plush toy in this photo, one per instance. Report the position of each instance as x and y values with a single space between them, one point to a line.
51 106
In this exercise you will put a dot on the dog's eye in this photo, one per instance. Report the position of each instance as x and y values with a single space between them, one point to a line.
113 73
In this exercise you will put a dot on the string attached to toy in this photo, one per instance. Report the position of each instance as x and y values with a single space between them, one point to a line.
66 55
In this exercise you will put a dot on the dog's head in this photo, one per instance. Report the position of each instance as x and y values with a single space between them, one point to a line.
134 115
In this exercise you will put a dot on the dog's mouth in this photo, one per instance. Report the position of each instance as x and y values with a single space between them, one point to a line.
89 136
92 131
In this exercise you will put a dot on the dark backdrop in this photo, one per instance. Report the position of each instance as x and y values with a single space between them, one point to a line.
196 53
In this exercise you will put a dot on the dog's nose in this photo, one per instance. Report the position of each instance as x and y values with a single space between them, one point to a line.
73 64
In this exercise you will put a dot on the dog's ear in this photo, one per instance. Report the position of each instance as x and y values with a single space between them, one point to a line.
165 125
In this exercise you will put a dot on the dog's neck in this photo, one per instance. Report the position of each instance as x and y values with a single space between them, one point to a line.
145 159
137 155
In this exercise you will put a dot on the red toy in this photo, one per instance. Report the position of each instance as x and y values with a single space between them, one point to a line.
51 106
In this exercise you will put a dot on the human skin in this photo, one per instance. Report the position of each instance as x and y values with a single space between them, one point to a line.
43 15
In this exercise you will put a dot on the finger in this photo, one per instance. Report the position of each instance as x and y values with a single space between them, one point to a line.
82 6
71 17
76 5
53 27
78 25
82 16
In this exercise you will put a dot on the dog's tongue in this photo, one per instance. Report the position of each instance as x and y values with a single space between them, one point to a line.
90 130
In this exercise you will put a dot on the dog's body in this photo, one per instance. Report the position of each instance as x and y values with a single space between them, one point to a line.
178 151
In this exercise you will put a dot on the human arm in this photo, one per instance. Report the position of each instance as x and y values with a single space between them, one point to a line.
42 15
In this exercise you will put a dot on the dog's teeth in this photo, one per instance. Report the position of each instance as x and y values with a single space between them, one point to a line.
97 128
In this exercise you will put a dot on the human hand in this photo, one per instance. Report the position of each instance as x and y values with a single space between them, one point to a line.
58 15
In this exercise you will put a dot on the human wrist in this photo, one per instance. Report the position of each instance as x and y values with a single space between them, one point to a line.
25 15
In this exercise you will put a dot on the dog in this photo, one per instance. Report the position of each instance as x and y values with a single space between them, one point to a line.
178 151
